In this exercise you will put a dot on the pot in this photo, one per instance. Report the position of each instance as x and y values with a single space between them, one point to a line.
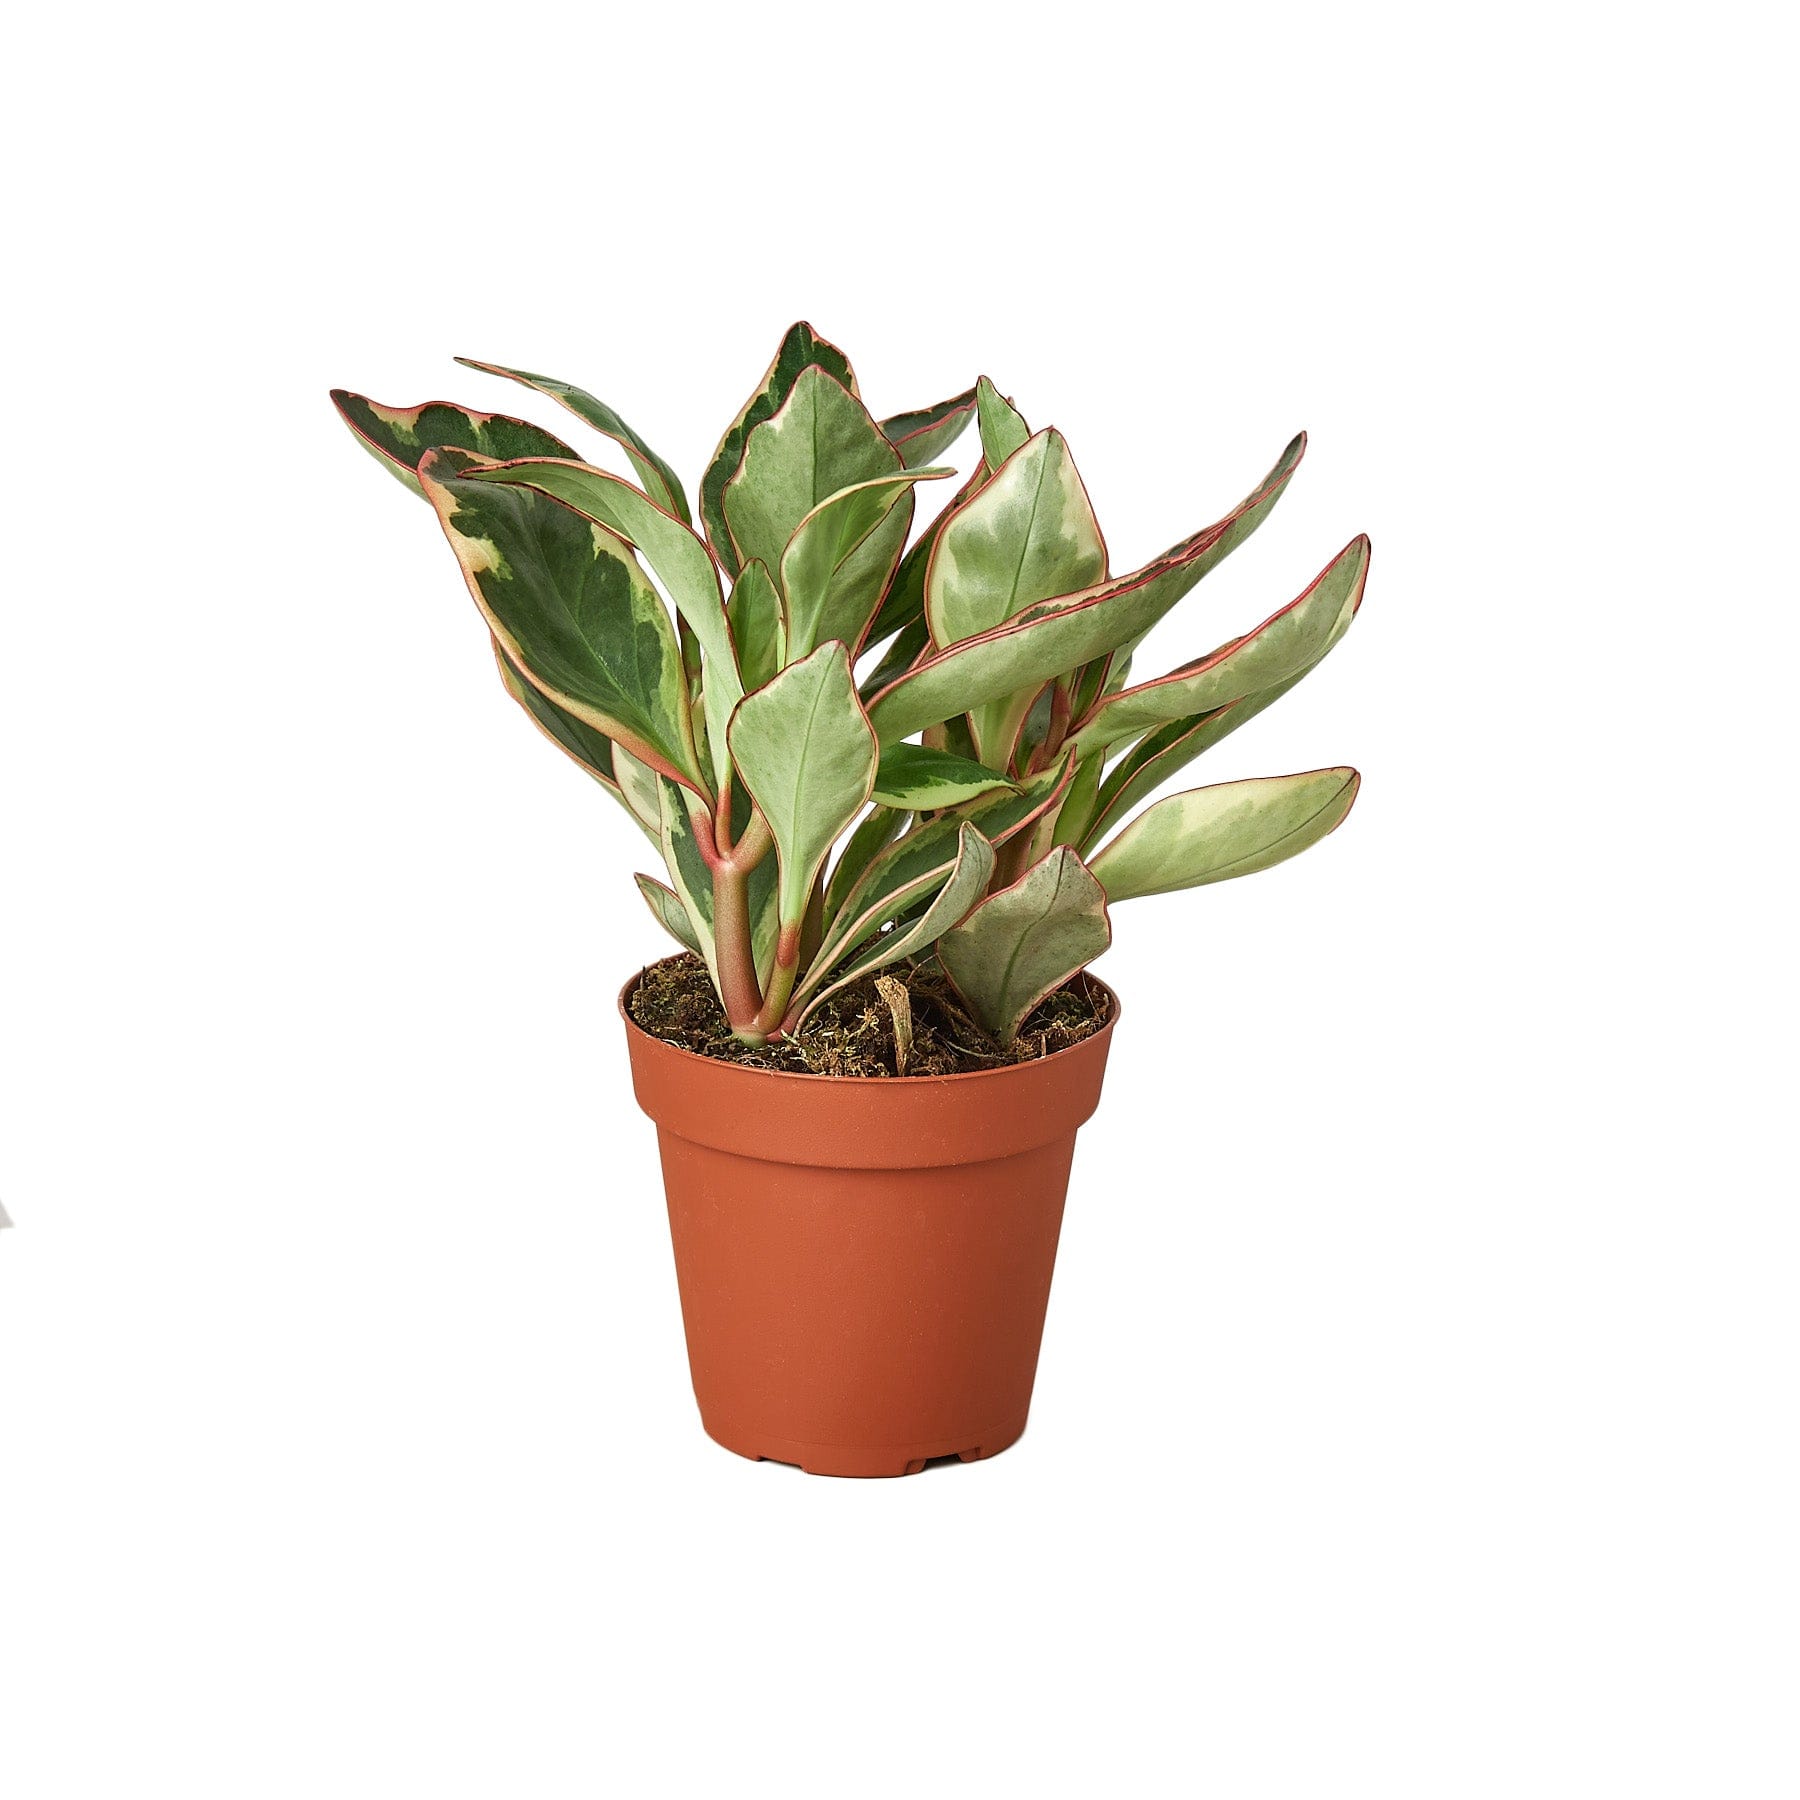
864 1264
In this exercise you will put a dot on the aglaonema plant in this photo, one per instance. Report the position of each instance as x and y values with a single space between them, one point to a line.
851 752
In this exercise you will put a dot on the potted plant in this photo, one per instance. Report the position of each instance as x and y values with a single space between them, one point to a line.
892 788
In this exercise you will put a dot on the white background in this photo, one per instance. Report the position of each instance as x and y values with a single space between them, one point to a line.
1417 1409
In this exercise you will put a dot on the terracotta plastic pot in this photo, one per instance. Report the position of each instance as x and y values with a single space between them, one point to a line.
864 1264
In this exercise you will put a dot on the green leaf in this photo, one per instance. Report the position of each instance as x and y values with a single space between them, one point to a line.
1027 536
1059 635
687 870
904 606
820 441
670 914
398 436
573 611
895 877
800 348
1284 645
831 591
805 751
756 626
959 889
677 555
640 787
577 740
866 842
1003 428
1024 942
923 436
1156 758
899 656
660 481
1030 534
916 779
1215 833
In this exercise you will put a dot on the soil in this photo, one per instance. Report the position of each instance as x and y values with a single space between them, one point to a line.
852 1033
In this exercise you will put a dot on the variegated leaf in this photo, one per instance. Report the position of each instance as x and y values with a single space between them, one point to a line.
1284 645
1155 759
958 890
670 914
804 748
660 481
691 878
895 877
577 740
640 787
397 436
757 630
572 610
904 607
1028 535
872 835
677 555
1022 943
829 590
1060 635
922 437
801 348
1215 833
820 441
916 779
1003 428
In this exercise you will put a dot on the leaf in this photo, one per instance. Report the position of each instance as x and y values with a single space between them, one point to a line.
1028 535
687 869
805 751
899 656
1024 942
1215 833
966 880
916 779
1284 645
1156 758
398 436
572 610
577 740
800 348
660 481
866 842
820 441
923 436
1003 428
830 591
671 915
1058 636
904 605
679 557
754 612
899 874
640 787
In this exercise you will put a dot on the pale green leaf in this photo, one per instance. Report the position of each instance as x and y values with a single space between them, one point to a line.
923 436
670 914
1058 636
1024 942
1284 645
754 612
829 590
1003 428
804 749
800 348
1215 833
958 890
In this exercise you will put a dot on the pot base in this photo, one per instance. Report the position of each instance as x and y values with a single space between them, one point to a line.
862 1459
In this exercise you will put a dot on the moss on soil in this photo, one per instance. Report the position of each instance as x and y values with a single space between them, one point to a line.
852 1033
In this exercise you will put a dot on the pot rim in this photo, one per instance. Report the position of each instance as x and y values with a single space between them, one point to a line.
859 1081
